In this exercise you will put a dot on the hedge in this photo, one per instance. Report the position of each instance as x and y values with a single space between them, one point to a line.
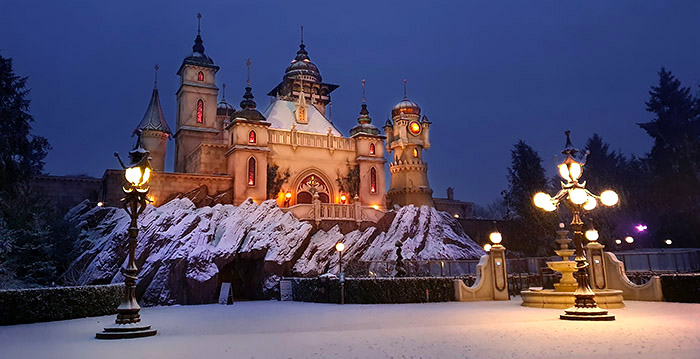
20 306
374 290
684 288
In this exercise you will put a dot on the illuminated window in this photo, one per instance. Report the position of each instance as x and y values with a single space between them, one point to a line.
200 76
414 127
251 137
372 180
251 171
200 111
371 149
415 152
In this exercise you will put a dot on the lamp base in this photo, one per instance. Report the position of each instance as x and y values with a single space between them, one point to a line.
126 331
591 314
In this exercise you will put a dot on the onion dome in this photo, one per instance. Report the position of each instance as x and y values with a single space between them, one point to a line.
198 57
302 68
364 123
224 108
248 109
406 106
153 119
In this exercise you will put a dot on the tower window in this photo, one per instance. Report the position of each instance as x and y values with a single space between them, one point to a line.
252 137
415 152
200 76
371 149
200 111
251 171
372 180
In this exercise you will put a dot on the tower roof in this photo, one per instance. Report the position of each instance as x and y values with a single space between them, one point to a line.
248 109
302 68
364 123
224 108
154 119
405 106
198 58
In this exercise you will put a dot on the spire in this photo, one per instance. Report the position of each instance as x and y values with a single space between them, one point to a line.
248 103
364 121
364 118
302 34
404 89
569 148
247 63
223 93
198 43
154 119
363 90
155 82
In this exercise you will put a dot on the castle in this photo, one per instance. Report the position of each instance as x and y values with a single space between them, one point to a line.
290 152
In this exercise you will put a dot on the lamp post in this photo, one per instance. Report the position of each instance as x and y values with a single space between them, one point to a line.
578 199
287 198
340 247
128 323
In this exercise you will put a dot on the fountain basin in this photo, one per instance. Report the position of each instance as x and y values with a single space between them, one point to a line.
549 298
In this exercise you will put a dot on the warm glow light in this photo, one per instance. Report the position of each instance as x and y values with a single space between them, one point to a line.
414 127
542 200
575 170
592 235
137 178
668 242
487 247
100 204
618 241
375 206
590 204
495 237
456 215
343 198
151 199
640 227
629 239
564 172
609 198
288 195
340 246
578 196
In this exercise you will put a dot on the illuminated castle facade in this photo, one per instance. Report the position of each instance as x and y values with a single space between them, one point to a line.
290 151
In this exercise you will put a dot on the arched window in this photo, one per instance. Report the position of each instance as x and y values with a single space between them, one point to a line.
372 180
200 76
415 152
371 149
200 111
251 171
251 137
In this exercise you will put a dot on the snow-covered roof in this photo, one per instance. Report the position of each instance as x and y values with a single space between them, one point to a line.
281 115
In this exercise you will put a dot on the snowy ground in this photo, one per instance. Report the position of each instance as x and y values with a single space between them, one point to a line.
306 330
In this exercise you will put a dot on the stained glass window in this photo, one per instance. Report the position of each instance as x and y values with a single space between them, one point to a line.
251 171
251 137
200 76
200 111
371 149
373 180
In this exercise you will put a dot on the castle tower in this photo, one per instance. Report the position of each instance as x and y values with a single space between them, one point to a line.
196 103
302 78
407 135
370 158
154 129
247 158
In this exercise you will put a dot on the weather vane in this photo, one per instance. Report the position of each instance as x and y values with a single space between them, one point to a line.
199 22
247 63
404 88
302 34
363 90
155 82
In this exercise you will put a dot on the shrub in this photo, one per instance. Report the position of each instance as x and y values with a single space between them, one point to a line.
684 288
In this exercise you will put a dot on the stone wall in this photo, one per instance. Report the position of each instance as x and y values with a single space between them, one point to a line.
66 191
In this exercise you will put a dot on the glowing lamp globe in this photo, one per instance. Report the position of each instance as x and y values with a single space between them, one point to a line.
592 235
570 170
487 247
578 196
668 242
618 241
629 239
340 246
343 198
495 237
542 200
288 195
137 176
590 204
609 198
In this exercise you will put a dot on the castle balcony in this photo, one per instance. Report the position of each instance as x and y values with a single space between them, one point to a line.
296 138
318 212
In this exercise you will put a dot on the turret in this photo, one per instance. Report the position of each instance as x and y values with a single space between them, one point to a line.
154 129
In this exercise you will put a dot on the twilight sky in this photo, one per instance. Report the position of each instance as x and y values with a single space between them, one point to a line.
487 73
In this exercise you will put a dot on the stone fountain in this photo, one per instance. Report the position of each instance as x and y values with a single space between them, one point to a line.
562 296
566 266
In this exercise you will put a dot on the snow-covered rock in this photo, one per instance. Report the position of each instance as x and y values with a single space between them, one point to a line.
184 252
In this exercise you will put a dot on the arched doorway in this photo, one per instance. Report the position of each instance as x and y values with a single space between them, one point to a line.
312 184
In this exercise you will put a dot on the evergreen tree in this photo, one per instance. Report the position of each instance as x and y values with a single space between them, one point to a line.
526 176
21 153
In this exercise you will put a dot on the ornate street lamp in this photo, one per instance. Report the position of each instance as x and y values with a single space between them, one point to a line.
578 199
128 323
340 247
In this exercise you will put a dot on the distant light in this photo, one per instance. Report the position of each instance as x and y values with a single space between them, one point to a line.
456 215
487 247
641 227
100 204
375 206
340 246
618 241
629 239
609 198
668 242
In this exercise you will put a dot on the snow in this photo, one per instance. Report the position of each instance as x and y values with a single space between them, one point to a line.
281 115
181 248
271 329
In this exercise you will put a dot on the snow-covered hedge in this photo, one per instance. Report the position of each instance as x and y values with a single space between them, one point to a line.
373 290
684 288
59 303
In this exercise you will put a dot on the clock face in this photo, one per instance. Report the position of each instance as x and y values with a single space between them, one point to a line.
414 128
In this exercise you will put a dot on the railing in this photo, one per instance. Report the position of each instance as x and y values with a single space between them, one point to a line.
303 139
318 212
337 211
673 260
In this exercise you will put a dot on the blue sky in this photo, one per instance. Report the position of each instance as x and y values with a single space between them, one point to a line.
487 73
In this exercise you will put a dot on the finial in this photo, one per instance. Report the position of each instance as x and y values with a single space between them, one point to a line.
569 148
155 82
404 88
223 96
199 22
302 34
363 90
247 63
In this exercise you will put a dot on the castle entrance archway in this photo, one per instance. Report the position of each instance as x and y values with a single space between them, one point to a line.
313 184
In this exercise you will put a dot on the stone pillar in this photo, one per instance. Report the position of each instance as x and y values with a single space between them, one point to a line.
500 274
596 269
